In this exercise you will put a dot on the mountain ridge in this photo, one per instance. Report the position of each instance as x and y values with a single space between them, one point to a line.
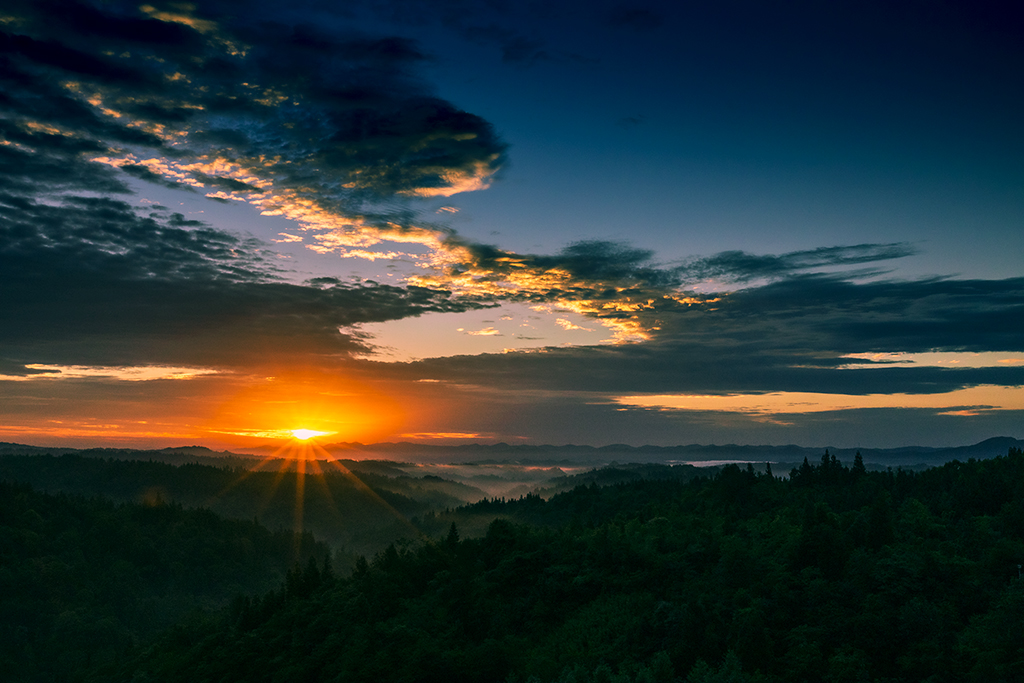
549 453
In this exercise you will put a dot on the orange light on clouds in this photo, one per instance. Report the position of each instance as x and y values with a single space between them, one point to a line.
445 435
141 373
964 402
937 359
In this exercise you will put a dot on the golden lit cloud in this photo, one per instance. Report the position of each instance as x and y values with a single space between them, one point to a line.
142 373
374 255
477 178
569 325
972 401
443 435
938 359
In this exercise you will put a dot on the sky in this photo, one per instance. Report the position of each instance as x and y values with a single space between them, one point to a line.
551 222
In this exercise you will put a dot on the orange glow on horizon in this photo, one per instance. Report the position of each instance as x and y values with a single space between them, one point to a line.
306 434
324 404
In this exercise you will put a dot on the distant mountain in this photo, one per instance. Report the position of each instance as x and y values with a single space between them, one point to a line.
21 449
598 455
551 455
173 456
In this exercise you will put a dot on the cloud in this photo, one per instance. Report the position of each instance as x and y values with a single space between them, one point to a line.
327 128
92 280
318 127
739 267
792 335
568 325
772 405
620 286
638 18
145 373
510 27
144 173
443 435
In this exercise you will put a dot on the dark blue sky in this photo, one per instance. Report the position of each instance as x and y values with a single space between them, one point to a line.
742 127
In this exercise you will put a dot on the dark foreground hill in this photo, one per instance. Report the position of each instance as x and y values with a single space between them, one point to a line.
836 574
85 581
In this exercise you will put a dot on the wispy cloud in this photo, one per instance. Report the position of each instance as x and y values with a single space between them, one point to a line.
739 267
145 373
443 435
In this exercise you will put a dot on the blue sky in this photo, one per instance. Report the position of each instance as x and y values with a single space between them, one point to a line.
525 222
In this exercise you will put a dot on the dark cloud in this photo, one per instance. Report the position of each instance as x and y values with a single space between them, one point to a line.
641 18
604 271
227 183
144 173
791 335
741 267
608 261
230 97
516 48
511 27
91 281
26 174
232 101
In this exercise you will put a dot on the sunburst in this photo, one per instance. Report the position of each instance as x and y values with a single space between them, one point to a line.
306 434
301 456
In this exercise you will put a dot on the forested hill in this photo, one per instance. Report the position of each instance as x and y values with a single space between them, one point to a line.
361 515
193 455
836 574
84 581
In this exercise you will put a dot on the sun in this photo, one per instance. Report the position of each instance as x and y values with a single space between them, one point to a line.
306 434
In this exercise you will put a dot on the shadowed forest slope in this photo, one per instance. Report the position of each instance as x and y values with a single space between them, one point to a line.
85 581
836 574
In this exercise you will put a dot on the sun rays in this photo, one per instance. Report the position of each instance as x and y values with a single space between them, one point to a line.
312 465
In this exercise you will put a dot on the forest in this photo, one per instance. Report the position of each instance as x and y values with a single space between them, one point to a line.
832 572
